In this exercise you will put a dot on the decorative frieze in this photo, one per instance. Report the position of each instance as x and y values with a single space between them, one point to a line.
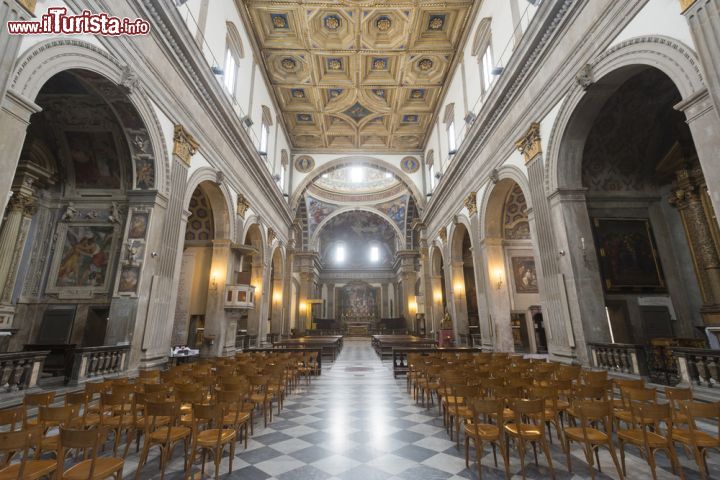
443 234
270 236
185 144
529 143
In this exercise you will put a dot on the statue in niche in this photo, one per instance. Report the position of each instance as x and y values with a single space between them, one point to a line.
446 323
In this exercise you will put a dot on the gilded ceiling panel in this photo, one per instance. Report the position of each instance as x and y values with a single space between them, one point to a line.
358 74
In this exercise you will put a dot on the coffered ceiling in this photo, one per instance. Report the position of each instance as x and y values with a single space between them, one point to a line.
358 74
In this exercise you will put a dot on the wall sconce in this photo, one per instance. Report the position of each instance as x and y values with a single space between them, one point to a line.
438 296
412 305
459 288
214 275
498 277
277 297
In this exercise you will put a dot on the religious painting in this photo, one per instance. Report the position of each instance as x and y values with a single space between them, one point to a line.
138 225
144 173
410 164
395 209
304 163
317 211
524 274
628 255
129 277
94 159
84 256
358 301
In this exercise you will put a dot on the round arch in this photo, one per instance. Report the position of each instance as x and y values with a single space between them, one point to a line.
609 71
220 199
437 260
43 60
457 231
316 234
354 160
494 199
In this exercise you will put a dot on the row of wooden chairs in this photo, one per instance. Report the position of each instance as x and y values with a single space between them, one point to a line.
498 398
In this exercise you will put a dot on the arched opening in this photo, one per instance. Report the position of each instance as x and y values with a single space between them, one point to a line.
72 246
463 283
651 226
203 271
511 270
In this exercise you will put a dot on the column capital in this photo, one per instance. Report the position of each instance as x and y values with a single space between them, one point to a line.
529 144
185 144
685 5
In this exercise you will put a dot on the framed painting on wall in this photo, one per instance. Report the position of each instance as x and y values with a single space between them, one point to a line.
82 260
524 274
628 256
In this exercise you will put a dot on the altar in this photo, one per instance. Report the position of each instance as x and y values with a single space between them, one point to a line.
357 329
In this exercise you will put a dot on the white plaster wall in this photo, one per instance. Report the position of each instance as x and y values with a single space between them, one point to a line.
658 17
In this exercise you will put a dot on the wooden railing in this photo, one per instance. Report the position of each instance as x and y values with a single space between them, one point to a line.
619 357
91 362
21 370
698 366
316 351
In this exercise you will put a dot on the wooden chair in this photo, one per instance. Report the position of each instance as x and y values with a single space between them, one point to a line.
235 415
695 439
261 395
480 430
92 467
632 396
213 439
647 435
35 400
27 468
11 419
83 417
677 397
50 418
459 410
114 416
592 414
594 377
528 426
161 429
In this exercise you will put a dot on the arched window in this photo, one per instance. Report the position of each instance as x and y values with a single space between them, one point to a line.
449 120
482 49
233 54
430 162
265 130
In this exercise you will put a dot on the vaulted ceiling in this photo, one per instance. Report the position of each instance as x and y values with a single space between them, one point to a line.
358 74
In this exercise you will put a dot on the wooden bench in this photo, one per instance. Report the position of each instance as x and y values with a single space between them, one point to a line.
384 344
329 345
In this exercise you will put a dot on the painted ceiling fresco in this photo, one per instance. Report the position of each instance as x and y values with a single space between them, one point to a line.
359 179
351 74
358 230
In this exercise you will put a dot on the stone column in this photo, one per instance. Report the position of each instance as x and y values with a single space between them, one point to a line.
460 317
702 118
276 317
498 295
436 304
687 197
216 322
13 234
305 265
159 284
385 312
478 270
256 317
703 17
287 288
408 276
561 342
330 304
15 112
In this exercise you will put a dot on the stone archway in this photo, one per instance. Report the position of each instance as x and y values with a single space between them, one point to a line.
437 286
201 321
276 313
464 291
254 264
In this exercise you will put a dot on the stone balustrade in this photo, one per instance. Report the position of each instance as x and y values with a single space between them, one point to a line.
21 370
698 366
91 362
619 357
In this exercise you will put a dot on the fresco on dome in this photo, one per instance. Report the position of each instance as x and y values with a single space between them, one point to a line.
317 210
396 209
356 179
358 230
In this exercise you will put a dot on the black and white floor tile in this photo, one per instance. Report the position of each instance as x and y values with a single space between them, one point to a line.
356 422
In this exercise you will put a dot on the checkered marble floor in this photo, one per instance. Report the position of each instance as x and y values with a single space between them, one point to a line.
355 422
